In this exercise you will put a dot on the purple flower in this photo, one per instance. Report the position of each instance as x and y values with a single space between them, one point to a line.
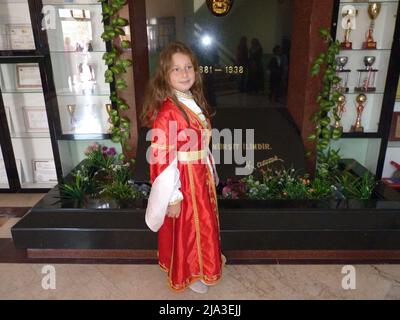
111 151
104 149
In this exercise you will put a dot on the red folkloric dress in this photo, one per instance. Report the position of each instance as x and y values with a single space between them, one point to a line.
189 247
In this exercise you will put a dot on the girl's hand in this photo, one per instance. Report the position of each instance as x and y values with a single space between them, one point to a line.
173 211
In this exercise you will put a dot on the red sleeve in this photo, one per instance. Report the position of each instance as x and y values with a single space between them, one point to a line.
163 142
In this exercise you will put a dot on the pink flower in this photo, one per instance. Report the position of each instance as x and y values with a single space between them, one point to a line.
226 191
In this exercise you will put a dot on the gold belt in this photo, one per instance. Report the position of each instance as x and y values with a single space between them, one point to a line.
187 156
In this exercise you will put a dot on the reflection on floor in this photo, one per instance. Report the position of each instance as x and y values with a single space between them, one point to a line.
118 281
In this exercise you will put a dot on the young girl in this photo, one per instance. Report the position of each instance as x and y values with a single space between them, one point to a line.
182 204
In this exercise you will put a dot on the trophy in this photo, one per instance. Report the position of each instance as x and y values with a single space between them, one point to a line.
340 109
348 24
361 99
367 76
373 11
109 109
71 110
342 73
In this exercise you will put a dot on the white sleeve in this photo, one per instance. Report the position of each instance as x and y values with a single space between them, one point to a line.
177 194
162 191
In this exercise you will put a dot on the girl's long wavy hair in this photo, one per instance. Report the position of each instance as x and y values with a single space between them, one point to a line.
159 88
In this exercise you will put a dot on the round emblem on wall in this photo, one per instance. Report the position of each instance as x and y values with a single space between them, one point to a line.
219 8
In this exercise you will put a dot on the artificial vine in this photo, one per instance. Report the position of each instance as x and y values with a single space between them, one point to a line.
113 29
327 158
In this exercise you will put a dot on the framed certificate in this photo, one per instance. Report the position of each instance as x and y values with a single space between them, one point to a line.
395 129
44 171
28 76
21 37
35 119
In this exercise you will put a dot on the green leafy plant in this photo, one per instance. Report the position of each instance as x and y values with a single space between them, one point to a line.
79 188
327 158
102 175
116 67
357 187
285 184
119 191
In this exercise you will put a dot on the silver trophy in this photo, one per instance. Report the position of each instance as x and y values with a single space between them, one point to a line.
341 62
342 73
367 76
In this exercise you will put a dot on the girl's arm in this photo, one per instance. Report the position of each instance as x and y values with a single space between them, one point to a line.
163 170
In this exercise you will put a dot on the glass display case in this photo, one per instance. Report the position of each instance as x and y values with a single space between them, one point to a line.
52 95
76 50
365 31
391 170
28 125
15 26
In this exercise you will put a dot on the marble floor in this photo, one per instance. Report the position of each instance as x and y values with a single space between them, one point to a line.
111 281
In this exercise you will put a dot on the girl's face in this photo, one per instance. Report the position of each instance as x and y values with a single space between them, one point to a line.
181 75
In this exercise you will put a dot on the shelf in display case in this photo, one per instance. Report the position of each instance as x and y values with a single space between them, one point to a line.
355 3
80 94
36 186
85 137
361 135
30 135
78 52
71 2
349 50
21 91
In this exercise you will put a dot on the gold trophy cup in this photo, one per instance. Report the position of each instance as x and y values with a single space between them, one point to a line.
71 110
348 16
361 100
109 109
373 12
340 109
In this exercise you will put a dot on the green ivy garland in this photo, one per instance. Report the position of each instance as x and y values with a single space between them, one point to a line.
113 29
327 158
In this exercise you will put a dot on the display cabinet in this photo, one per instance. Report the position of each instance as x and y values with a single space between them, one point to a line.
367 63
53 94
391 170
76 50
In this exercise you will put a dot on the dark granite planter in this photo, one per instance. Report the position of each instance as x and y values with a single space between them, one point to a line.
245 225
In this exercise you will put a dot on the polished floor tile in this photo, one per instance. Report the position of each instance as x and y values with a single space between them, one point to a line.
20 199
24 281
100 281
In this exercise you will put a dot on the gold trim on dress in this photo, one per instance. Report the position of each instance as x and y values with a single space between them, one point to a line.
204 124
173 250
187 156
183 95
175 202
196 218
161 146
